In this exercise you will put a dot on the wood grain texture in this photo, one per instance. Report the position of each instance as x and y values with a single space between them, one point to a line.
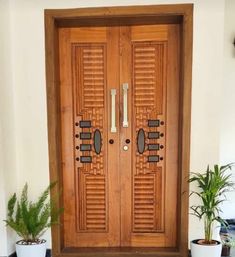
53 120
89 82
126 133
181 14
185 125
149 33
144 67
161 102
87 196
149 104
156 11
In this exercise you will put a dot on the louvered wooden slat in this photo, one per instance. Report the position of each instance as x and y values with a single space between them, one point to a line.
144 205
147 194
144 57
93 76
95 203
89 80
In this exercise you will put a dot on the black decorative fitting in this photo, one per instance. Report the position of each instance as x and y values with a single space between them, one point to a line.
85 135
162 134
141 141
161 158
86 159
97 141
153 158
153 147
153 135
85 147
128 141
77 136
76 123
111 141
161 146
77 147
85 124
162 122
153 123
77 159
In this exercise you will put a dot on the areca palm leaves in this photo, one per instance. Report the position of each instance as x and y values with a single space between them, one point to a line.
213 184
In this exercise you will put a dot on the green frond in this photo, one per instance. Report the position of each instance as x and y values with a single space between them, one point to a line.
212 186
29 219
18 214
11 206
44 196
24 194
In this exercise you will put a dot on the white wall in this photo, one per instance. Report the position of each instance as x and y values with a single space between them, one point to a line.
8 176
227 144
206 91
28 74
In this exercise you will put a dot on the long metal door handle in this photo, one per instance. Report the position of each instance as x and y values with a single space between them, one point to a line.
113 111
125 105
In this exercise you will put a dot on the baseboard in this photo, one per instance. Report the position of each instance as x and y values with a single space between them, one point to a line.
48 254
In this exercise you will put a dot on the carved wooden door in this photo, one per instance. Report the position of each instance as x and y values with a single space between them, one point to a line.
119 133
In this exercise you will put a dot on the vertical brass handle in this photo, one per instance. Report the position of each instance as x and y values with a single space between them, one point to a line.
113 111
125 105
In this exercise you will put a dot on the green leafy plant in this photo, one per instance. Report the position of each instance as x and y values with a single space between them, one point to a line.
30 220
213 184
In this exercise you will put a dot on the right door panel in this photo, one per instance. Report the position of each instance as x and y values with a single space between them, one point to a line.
149 169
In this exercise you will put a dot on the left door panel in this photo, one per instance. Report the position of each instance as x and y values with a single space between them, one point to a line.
89 70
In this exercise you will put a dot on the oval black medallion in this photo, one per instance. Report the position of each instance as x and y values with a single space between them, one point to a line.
97 141
141 141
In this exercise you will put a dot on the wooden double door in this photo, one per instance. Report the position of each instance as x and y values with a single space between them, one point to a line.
119 109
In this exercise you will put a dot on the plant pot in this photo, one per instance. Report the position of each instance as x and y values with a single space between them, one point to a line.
225 250
202 250
32 250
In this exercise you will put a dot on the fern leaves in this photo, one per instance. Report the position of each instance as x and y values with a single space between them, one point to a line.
29 219
10 206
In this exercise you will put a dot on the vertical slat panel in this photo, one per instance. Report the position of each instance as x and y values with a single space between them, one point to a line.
149 103
89 81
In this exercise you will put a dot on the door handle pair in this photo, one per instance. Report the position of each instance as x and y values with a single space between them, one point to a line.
125 108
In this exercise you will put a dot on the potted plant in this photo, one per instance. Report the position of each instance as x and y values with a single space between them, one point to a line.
227 243
212 185
30 220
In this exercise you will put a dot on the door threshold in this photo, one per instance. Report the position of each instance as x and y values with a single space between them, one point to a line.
120 251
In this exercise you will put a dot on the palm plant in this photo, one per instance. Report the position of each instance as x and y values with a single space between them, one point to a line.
30 219
213 184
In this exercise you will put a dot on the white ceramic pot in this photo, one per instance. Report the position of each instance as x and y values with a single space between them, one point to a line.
34 250
198 250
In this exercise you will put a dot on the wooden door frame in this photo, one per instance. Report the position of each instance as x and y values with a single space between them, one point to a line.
157 14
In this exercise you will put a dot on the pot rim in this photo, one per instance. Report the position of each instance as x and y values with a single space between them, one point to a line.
23 242
196 240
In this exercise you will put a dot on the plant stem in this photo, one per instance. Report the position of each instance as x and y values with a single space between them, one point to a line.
208 230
